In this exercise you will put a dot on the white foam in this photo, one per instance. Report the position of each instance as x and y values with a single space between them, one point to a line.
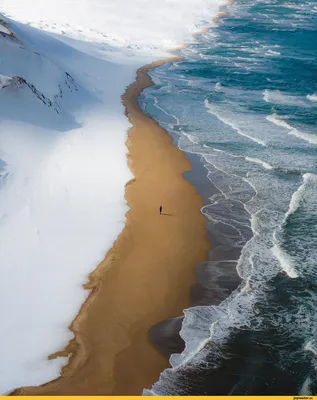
275 119
308 137
260 162
278 97
312 97
191 137
299 195
266 95
164 111
211 110
273 53
305 390
311 346
285 261
218 87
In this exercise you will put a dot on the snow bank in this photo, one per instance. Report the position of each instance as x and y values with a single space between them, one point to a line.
4 81
3 29
137 23
63 158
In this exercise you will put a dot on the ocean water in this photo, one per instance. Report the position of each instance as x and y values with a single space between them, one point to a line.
243 102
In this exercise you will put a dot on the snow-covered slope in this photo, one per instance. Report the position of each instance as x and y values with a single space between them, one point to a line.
61 195
63 157
159 24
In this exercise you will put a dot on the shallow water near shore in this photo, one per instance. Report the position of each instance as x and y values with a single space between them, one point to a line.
242 105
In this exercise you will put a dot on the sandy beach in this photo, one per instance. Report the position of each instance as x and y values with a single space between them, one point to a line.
146 277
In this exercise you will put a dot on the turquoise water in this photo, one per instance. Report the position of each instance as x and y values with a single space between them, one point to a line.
244 99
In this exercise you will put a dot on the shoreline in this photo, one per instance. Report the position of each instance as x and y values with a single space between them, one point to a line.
151 265
102 358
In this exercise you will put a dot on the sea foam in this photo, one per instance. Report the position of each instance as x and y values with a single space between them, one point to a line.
299 195
285 260
260 162
308 137
282 98
312 97
211 109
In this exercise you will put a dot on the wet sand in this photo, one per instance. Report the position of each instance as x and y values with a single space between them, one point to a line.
146 277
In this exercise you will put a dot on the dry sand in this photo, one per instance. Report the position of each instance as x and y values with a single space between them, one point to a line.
146 277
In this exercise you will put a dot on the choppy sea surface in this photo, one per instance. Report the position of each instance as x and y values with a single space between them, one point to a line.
244 100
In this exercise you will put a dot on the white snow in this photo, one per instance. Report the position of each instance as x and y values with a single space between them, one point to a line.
63 157
160 23
3 29
4 81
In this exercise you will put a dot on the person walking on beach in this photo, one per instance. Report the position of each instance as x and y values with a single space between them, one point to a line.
161 209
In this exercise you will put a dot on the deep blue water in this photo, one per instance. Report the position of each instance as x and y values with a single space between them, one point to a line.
244 99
